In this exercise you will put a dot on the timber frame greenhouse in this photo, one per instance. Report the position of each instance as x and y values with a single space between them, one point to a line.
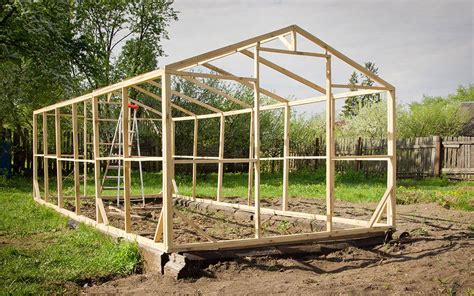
92 155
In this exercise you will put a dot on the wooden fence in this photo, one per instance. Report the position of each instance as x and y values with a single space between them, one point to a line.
416 157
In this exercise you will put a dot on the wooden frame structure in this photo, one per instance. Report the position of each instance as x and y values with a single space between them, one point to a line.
161 81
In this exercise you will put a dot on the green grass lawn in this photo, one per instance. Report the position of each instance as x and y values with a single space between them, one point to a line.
351 186
39 254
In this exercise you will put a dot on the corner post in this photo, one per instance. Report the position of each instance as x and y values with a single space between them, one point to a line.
126 163
59 163
168 163
256 131
330 147
392 153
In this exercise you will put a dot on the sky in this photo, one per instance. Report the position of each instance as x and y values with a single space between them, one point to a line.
421 47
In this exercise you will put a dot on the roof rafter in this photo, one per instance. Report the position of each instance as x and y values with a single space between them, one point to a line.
341 56
247 84
157 97
193 61
286 72
217 91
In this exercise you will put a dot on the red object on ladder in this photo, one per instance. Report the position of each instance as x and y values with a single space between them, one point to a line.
133 106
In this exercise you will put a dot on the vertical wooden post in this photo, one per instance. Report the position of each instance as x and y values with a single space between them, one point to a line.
286 154
95 140
167 161
45 160
59 164
437 156
251 156
220 173
126 163
392 162
330 147
75 143
195 150
256 131
84 139
36 194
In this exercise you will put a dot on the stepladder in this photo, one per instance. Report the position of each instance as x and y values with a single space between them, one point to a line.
113 178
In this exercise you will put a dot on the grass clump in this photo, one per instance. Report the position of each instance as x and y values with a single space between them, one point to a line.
39 254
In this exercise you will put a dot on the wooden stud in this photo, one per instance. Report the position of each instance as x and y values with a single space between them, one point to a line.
167 162
392 162
59 163
220 173
45 160
330 148
256 131
195 151
251 156
85 148
286 159
127 182
36 193
101 216
75 143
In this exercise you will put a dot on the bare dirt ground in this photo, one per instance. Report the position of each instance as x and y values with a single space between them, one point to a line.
436 259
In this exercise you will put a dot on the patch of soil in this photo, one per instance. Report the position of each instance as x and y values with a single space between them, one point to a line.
435 257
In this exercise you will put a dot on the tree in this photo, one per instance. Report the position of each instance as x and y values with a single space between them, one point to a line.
137 25
439 116
353 104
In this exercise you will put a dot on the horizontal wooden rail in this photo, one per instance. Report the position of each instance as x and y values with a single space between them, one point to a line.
363 157
226 160
212 76
294 52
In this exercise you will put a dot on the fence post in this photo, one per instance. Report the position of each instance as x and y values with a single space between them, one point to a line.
437 156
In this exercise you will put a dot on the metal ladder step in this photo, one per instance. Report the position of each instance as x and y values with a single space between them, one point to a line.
112 187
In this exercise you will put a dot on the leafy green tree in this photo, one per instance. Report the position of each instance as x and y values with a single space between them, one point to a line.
106 26
369 122
435 115
354 104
